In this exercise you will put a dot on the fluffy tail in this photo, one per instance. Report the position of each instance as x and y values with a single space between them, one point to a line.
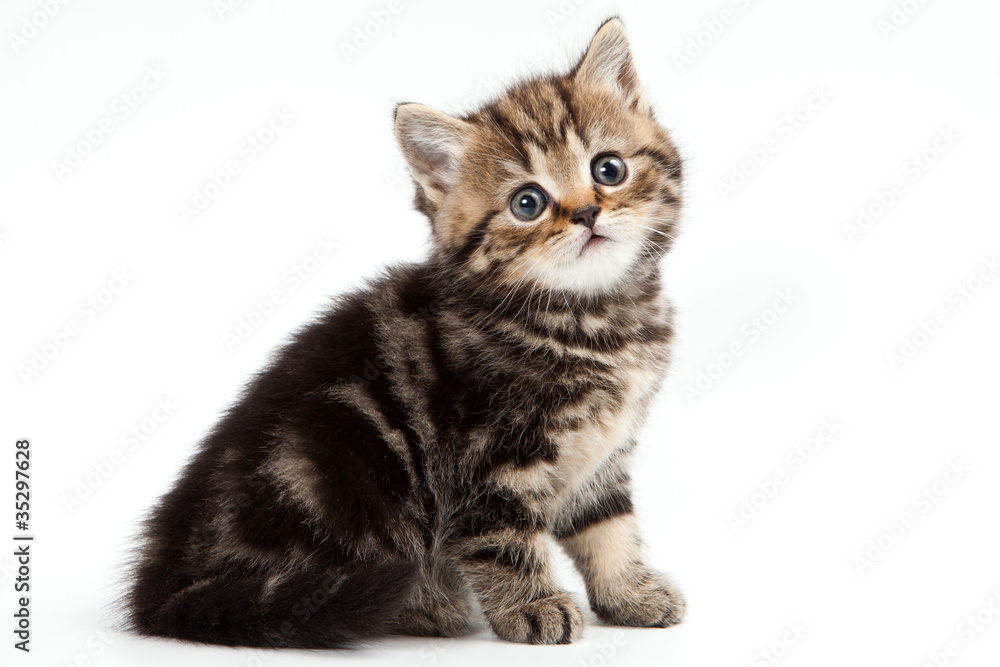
307 609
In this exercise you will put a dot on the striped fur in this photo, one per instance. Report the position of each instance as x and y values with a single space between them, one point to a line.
418 448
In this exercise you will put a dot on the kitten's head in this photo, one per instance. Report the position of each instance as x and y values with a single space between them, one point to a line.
563 183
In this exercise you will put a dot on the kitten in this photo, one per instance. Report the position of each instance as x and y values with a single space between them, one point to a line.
415 450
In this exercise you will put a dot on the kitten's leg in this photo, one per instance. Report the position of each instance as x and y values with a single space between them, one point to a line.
599 531
499 543
440 606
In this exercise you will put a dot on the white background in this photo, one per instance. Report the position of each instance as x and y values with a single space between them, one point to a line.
335 173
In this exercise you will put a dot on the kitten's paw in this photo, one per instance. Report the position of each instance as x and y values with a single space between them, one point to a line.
438 617
654 602
555 619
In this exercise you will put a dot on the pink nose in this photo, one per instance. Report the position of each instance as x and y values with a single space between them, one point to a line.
585 216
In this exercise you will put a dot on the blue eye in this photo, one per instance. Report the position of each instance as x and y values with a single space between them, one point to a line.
528 203
609 169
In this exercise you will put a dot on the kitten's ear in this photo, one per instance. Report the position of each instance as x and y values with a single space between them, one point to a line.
432 145
609 62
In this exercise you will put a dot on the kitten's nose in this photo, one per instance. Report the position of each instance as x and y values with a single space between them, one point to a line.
585 216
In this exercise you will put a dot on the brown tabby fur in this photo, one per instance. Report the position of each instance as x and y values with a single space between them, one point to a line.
421 443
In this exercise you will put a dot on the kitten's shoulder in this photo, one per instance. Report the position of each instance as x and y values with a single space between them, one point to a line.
346 336
348 327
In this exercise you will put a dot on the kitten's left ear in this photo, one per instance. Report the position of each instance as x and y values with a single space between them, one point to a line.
609 62
432 144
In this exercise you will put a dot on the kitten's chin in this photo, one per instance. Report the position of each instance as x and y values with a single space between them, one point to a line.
601 265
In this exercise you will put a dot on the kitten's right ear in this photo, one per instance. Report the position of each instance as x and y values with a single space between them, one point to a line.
609 62
432 145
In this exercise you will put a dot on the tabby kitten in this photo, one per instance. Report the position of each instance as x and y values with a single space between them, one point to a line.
419 445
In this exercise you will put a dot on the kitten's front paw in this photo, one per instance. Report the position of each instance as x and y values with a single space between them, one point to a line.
653 602
555 619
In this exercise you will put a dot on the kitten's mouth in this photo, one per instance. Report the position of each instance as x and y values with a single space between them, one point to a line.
594 241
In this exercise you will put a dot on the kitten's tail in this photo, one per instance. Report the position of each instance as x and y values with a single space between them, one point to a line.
305 609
